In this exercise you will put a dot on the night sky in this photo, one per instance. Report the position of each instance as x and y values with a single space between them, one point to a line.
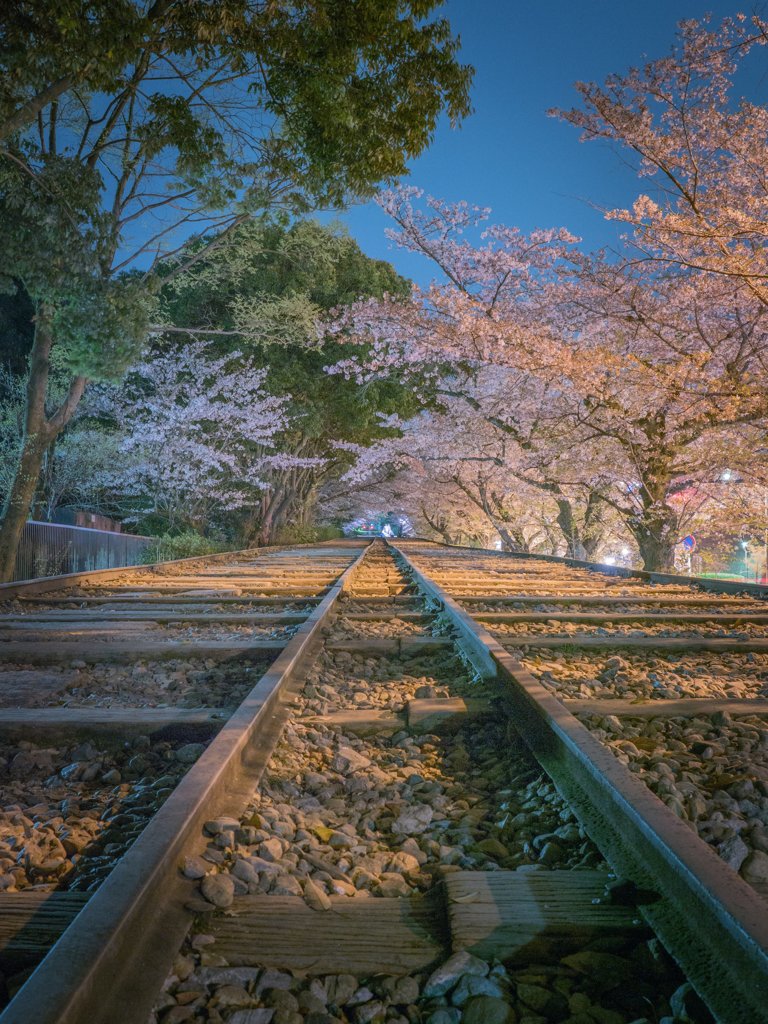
530 168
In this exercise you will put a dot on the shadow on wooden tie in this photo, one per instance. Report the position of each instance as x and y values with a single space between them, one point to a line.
521 916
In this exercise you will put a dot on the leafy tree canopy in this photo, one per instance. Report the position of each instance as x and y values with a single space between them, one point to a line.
270 286
125 124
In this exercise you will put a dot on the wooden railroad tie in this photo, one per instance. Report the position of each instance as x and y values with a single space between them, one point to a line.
396 645
587 641
71 722
56 652
449 714
731 619
736 603
57 619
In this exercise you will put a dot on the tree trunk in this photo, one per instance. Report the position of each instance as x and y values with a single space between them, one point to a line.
509 541
654 524
593 531
656 538
569 529
440 527
268 519
39 433
35 440
18 503
512 537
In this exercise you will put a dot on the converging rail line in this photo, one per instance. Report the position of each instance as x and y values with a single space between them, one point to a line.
382 783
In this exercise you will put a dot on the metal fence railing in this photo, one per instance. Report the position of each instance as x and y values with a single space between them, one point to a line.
50 549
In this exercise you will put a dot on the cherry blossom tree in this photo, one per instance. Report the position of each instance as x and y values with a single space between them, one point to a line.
622 382
200 435
455 467
669 384
703 151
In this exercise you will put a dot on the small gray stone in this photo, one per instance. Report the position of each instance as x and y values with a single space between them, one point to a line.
232 995
286 885
401 991
271 849
245 872
340 988
285 1003
445 1015
413 820
473 985
551 853
487 1010
194 867
309 1004
369 1011
189 753
755 867
447 975
392 885
273 979
542 1000
734 852
218 889
361 995
262 1015
217 825
348 760
227 975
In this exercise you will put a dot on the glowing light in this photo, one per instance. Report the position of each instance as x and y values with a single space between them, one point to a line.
609 560
726 475
625 552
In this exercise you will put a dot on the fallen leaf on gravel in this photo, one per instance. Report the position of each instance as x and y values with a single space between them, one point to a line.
644 742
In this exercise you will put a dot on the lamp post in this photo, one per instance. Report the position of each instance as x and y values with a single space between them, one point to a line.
745 548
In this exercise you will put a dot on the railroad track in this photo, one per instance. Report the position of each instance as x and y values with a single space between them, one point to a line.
382 783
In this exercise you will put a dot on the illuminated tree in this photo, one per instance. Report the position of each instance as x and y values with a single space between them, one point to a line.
198 433
703 151
626 383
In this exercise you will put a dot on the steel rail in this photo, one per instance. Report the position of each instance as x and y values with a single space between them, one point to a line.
758 590
111 962
712 922
20 588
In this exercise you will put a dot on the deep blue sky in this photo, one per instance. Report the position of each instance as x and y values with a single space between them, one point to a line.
530 168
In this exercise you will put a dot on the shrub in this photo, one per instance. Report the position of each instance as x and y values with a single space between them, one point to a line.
181 545
305 534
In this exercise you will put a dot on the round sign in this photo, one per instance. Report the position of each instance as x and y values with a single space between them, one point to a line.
689 542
